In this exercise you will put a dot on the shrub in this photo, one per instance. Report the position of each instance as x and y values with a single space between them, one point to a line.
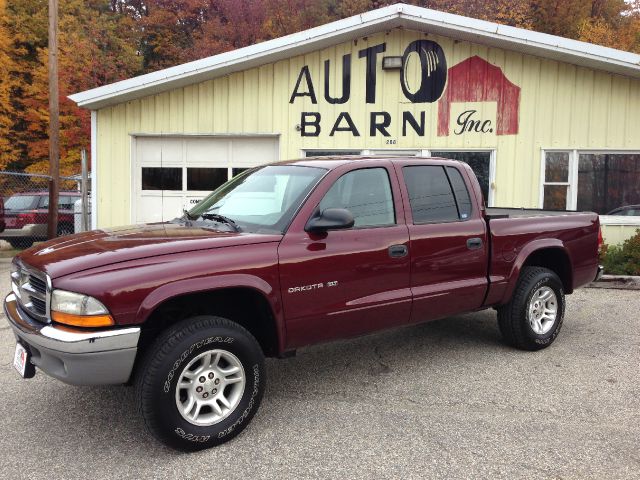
623 259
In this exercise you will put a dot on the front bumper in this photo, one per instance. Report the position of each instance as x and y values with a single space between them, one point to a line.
75 356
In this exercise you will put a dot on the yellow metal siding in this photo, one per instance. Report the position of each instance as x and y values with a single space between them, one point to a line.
561 106
616 234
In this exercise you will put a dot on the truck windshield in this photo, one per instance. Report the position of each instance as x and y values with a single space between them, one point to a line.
260 200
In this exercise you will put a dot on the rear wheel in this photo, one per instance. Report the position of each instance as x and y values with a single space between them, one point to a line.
201 382
533 318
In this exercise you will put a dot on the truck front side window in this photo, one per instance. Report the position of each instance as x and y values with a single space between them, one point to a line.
366 193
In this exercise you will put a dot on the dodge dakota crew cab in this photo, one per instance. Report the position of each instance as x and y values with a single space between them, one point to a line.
282 256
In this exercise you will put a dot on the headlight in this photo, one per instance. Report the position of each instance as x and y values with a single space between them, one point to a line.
78 310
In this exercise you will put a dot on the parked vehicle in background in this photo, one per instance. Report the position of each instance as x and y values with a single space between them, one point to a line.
627 210
26 214
283 256
2 224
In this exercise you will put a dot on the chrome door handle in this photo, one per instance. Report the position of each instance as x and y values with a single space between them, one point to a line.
474 243
398 251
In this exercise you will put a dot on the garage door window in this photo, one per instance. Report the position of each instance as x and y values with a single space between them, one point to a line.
205 179
237 171
161 178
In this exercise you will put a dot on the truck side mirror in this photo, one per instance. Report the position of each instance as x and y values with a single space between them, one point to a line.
330 219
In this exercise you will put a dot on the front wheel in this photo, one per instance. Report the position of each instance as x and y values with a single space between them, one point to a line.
533 318
201 382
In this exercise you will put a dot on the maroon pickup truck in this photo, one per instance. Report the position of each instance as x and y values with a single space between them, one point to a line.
283 256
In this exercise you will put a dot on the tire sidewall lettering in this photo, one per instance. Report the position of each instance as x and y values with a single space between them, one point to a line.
247 411
191 437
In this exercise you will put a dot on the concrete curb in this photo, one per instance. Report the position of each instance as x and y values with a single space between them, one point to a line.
619 282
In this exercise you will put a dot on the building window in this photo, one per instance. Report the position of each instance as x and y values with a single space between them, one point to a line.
556 181
205 179
607 183
237 171
161 178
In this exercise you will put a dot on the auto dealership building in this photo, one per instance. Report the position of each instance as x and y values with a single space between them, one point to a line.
543 121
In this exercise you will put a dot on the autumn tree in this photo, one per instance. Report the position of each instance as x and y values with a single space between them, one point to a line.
96 46
9 86
102 41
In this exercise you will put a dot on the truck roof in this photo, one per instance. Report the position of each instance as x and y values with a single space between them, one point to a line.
331 162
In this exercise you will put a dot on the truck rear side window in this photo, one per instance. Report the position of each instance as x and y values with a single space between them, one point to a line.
461 192
430 194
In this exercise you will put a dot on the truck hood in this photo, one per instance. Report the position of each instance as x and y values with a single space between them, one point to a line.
98 248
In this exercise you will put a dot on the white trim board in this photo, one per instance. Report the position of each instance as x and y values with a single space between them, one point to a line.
94 169
386 18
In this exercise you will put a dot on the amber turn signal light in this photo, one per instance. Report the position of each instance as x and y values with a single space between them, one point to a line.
82 320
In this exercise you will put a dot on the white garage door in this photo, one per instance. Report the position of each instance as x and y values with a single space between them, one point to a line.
171 174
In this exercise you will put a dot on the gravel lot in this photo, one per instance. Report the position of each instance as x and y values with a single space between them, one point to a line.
440 400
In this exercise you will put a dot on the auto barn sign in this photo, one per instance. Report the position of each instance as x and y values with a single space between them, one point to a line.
472 80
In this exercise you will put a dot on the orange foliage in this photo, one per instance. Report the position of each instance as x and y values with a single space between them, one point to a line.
102 41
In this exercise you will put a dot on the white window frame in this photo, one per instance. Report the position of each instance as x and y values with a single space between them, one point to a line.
572 192
423 152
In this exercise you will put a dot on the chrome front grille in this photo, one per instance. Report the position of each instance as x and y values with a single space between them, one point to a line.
38 284
33 290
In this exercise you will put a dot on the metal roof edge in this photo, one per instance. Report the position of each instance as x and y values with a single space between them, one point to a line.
391 16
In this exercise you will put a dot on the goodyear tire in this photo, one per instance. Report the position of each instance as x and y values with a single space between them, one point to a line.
200 383
533 318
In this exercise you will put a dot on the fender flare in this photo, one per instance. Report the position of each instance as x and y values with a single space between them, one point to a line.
190 286
528 250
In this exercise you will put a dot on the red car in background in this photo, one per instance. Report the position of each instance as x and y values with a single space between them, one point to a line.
2 215
25 216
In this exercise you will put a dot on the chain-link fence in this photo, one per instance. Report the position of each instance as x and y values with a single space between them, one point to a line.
24 208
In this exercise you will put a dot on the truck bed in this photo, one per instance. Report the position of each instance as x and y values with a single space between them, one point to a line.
497 212
569 238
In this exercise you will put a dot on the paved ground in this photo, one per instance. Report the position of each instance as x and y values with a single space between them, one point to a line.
442 400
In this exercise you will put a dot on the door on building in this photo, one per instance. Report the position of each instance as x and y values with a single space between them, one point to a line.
171 173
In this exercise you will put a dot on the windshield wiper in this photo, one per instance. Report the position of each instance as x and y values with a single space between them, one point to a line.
185 214
216 217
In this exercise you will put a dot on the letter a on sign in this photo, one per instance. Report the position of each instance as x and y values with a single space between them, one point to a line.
310 92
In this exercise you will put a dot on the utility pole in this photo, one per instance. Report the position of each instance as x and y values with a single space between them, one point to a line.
54 121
